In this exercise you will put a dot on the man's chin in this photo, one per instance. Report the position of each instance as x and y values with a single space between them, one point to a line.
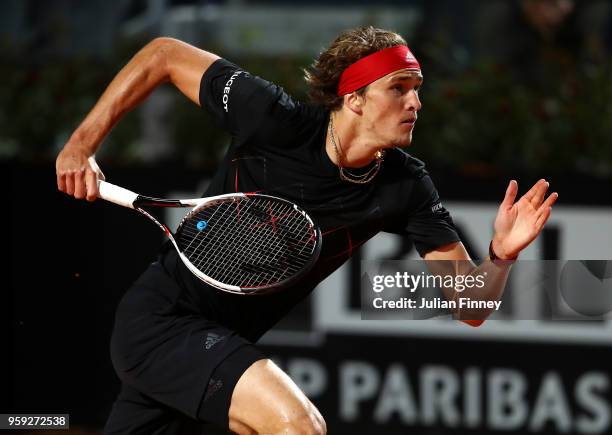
404 143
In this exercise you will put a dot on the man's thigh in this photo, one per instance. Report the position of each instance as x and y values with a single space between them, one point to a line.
266 401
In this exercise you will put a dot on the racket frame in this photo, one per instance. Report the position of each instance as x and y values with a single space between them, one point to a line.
126 198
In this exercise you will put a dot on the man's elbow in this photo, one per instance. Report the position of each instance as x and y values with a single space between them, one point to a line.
160 52
163 43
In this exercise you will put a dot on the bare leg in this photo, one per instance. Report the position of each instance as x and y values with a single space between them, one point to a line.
266 401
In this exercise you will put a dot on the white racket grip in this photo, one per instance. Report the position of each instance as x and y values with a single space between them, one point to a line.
116 194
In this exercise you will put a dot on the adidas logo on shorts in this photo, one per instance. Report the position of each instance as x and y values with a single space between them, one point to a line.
213 387
437 207
212 339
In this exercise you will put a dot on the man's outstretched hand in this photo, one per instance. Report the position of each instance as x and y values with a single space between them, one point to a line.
518 223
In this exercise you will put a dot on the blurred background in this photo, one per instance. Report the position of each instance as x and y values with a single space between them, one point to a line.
513 89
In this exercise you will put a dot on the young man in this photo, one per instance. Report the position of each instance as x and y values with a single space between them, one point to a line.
184 351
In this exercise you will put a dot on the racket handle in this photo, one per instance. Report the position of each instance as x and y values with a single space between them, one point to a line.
116 194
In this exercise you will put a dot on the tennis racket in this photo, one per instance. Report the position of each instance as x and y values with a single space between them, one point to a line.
241 243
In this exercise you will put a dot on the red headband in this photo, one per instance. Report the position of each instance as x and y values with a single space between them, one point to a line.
374 66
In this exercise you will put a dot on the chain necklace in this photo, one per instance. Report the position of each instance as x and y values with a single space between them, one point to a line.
345 174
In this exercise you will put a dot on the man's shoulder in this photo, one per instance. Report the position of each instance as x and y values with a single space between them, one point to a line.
251 105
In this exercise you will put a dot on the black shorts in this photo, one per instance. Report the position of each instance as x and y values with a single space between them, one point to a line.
177 368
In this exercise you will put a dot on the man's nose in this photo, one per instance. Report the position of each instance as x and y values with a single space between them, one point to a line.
414 102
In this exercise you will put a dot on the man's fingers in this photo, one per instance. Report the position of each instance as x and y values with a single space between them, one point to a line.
82 183
61 182
534 190
69 176
540 193
511 192
79 184
552 198
92 185
543 218
545 210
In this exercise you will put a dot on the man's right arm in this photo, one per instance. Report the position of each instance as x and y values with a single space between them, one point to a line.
162 60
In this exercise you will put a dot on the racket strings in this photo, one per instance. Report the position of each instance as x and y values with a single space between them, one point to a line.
210 239
238 236
270 265
201 239
267 264
277 267
296 228
248 243
217 236
233 239
205 215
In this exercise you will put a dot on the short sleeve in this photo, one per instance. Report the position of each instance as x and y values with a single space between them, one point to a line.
425 220
237 100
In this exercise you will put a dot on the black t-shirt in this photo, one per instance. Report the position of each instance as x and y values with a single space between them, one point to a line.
278 148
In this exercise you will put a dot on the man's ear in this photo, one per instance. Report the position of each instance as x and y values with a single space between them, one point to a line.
354 102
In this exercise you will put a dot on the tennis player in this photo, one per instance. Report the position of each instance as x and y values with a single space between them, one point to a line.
185 352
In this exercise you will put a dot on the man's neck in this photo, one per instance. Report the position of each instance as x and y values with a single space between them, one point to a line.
354 150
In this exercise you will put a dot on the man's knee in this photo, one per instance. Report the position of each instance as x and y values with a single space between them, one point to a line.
266 400
287 421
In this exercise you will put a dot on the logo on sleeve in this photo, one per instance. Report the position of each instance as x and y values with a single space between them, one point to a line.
228 88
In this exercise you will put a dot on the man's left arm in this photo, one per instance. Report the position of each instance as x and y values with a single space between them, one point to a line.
517 225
